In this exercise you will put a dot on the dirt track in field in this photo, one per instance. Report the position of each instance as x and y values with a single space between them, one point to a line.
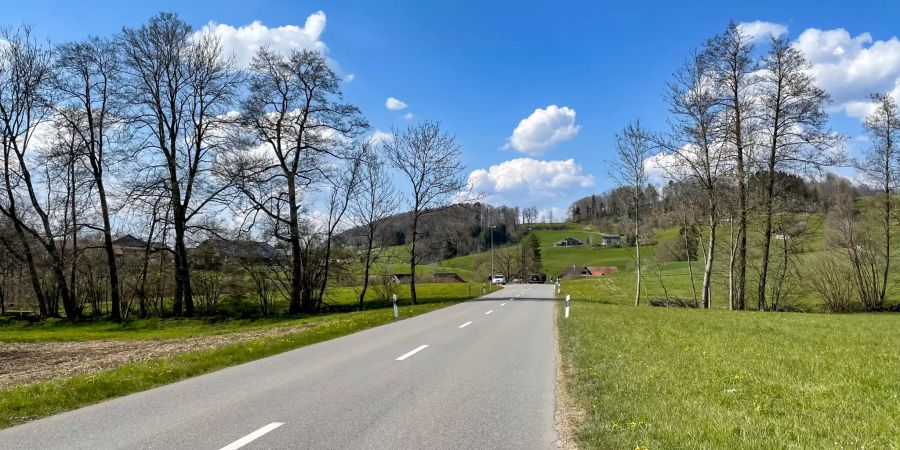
30 362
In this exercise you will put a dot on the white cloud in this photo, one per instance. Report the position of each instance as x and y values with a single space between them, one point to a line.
543 129
530 182
378 136
395 104
349 77
759 30
243 41
409 116
851 67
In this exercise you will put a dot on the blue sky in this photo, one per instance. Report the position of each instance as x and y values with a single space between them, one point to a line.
482 67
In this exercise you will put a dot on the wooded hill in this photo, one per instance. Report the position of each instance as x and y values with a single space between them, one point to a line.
458 230
667 204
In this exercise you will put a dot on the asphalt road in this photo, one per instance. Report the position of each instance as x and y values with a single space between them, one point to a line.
479 374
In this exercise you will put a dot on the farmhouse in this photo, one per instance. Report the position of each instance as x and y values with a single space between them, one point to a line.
611 239
215 252
568 242
129 242
574 271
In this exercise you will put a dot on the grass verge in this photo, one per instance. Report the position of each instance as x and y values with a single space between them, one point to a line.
29 402
673 378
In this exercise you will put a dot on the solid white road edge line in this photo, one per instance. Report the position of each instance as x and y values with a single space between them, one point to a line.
489 312
417 350
252 436
466 324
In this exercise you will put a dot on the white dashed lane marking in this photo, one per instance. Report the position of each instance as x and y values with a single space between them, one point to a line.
413 352
252 436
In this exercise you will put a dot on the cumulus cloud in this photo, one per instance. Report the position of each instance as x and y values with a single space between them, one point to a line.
759 30
543 129
527 181
851 67
378 136
395 104
662 166
409 116
243 41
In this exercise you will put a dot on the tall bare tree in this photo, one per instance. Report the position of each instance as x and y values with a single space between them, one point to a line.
428 157
25 105
89 81
181 88
343 185
376 202
296 120
793 124
880 165
696 143
730 56
630 172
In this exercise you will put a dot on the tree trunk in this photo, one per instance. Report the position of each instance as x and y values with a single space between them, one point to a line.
887 232
706 295
184 302
740 281
296 302
412 259
770 192
73 273
690 263
32 270
637 248
112 267
368 266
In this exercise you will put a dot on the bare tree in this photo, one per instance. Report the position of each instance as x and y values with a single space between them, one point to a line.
630 172
296 121
429 159
879 165
376 202
866 258
730 56
696 143
88 79
343 186
181 88
794 125
25 99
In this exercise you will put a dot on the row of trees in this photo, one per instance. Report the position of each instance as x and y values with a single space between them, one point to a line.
739 123
158 131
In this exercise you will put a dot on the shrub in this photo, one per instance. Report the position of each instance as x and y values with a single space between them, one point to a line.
830 276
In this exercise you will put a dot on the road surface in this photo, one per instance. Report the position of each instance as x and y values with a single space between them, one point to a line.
478 374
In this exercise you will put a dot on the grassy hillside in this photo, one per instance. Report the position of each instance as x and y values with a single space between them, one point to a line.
555 259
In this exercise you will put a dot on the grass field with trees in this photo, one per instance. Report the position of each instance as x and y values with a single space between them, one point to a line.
155 194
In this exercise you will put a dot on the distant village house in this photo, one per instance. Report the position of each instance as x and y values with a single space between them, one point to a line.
611 239
568 242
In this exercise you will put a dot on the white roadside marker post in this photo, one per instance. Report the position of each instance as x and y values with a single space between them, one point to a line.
396 311
557 287
567 306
